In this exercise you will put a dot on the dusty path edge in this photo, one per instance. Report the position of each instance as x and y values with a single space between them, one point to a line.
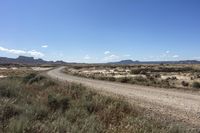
175 114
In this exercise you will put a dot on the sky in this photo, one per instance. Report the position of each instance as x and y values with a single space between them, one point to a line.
94 31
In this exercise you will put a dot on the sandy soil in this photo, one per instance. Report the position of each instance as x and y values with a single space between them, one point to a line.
182 105
2 76
41 68
3 68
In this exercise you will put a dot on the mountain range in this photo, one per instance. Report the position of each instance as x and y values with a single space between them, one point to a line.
129 62
23 60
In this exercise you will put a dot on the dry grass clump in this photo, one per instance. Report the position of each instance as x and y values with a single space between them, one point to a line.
35 103
15 72
196 85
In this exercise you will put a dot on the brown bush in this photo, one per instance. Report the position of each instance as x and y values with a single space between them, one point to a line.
185 84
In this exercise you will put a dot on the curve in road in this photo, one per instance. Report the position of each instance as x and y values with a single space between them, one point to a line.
184 106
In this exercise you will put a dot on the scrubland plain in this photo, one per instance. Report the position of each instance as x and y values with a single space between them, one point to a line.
163 75
32 102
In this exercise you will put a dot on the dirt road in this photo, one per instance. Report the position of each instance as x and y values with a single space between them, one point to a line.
184 106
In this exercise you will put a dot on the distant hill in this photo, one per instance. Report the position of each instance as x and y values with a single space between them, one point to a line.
125 62
23 60
129 62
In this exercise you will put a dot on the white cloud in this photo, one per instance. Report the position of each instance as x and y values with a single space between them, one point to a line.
111 57
13 51
126 55
165 54
107 52
175 56
44 46
87 57
33 53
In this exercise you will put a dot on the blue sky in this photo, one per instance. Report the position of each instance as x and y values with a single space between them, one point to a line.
100 30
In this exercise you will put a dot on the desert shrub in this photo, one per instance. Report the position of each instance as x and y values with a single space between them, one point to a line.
165 83
196 85
6 92
111 78
36 79
9 88
78 67
8 112
140 79
29 77
161 69
96 104
33 78
184 83
55 103
144 72
75 90
100 77
92 102
74 114
173 78
151 78
157 76
174 69
140 71
40 112
149 75
115 112
88 97
92 107
124 80
64 103
135 71
15 77
93 76
49 83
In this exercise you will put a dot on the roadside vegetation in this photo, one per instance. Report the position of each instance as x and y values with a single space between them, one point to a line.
36 104
165 76
13 71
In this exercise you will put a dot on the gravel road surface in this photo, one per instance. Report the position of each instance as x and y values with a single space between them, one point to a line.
181 105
